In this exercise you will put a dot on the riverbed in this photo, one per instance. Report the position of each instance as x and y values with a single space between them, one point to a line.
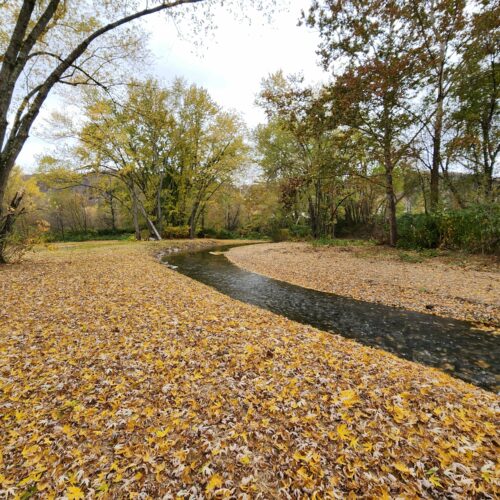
451 345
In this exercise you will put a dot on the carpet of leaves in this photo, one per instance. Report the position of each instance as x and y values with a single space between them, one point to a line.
122 378
440 286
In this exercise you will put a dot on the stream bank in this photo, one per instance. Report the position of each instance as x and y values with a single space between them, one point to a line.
451 345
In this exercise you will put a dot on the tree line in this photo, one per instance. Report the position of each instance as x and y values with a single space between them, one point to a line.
408 123
414 101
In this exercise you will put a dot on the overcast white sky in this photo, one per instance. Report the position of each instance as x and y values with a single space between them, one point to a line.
230 62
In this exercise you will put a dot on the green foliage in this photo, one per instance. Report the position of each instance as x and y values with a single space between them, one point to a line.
300 231
174 232
474 229
410 258
225 234
418 231
280 234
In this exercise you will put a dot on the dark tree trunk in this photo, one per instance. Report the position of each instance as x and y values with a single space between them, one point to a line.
7 223
389 190
113 213
193 219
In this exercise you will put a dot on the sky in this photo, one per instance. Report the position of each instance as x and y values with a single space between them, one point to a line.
229 61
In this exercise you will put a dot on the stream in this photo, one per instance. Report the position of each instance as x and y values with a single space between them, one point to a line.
453 346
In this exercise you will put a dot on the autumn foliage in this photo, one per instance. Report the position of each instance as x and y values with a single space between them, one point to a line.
119 377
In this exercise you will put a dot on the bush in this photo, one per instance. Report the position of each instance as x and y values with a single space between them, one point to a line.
174 232
280 234
224 234
474 229
300 231
208 232
417 231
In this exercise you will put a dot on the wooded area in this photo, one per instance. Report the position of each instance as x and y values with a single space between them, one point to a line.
401 145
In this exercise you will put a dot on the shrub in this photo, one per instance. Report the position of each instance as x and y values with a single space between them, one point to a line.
225 234
473 229
208 232
418 231
280 234
174 232
300 231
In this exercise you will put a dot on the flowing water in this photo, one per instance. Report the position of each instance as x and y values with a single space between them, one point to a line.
451 345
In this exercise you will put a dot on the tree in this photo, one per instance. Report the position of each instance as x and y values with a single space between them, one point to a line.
210 150
172 147
50 42
374 89
476 140
26 201
304 148
440 31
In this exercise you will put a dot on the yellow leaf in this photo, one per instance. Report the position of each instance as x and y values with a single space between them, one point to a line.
401 467
298 456
245 460
435 481
104 487
343 432
74 493
215 482
368 447
349 397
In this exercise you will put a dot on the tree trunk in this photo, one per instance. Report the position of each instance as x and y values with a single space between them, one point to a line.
436 139
113 213
8 223
389 190
159 222
135 214
4 176
192 221
391 206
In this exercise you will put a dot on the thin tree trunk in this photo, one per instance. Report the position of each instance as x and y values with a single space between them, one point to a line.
113 213
192 221
391 206
135 215
159 222
436 140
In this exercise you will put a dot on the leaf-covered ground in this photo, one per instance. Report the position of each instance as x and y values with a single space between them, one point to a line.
120 377
468 289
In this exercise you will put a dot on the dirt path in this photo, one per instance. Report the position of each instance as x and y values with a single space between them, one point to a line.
437 286
122 378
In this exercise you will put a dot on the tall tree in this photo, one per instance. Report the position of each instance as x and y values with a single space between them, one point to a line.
172 147
303 148
50 42
379 75
440 28
476 141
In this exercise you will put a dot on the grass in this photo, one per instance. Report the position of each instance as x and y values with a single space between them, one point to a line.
341 242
